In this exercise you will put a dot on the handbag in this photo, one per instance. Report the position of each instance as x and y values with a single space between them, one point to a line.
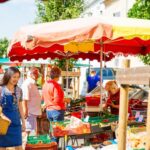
4 122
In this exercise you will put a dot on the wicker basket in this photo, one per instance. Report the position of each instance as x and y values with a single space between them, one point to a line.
4 124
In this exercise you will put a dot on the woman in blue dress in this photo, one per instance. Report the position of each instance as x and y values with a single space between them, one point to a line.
10 101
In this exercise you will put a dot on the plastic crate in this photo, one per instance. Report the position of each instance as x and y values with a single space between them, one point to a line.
92 101
77 102
94 120
139 107
105 119
96 128
135 101
101 137
50 146
76 114
43 139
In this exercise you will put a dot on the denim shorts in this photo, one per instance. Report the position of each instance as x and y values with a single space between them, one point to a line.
55 115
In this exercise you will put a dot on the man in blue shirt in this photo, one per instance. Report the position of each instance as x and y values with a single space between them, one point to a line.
92 80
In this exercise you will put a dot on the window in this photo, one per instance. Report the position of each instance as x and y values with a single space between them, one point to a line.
116 14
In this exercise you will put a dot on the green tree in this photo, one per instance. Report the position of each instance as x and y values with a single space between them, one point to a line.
52 10
63 64
4 42
141 10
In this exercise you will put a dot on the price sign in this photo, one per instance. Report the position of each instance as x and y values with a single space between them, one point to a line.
137 115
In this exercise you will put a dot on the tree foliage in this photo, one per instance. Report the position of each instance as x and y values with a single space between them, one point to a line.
63 64
4 42
141 10
52 10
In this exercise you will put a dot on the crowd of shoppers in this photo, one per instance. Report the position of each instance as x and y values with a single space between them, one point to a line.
23 105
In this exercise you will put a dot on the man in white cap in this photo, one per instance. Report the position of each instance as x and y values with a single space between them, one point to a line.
31 100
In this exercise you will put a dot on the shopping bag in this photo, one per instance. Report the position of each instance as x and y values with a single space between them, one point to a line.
4 123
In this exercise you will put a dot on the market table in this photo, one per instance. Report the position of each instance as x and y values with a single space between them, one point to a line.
75 138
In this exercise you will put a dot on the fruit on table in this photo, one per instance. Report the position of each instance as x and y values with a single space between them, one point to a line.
105 120
107 143
61 130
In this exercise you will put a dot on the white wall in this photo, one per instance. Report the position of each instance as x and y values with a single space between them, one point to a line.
118 8
117 62
93 7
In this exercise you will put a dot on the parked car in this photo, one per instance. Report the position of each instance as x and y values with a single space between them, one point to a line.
108 73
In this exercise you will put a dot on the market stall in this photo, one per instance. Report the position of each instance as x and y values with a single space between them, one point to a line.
86 37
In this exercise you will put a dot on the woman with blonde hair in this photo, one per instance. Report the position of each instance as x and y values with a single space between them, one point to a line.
113 97
113 100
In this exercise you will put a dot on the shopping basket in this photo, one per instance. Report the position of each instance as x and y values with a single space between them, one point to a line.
4 124
92 101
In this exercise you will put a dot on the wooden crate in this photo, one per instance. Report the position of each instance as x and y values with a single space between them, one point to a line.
43 125
70 74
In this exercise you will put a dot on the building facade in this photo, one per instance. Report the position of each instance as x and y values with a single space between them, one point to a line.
111 8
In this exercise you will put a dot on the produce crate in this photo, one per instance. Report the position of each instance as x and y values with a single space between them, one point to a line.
60 129
109 120
139 107
76 114
50 146
99 124
83 129
95 120
44 139
43 124
74 109
77 102
138 129
96 128
92 101
135 101
99 138
105 119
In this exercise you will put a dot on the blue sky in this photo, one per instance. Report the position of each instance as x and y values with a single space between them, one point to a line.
14 14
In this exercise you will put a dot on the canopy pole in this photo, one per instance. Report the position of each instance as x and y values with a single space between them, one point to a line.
67 68
123 112
101 76
148 124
